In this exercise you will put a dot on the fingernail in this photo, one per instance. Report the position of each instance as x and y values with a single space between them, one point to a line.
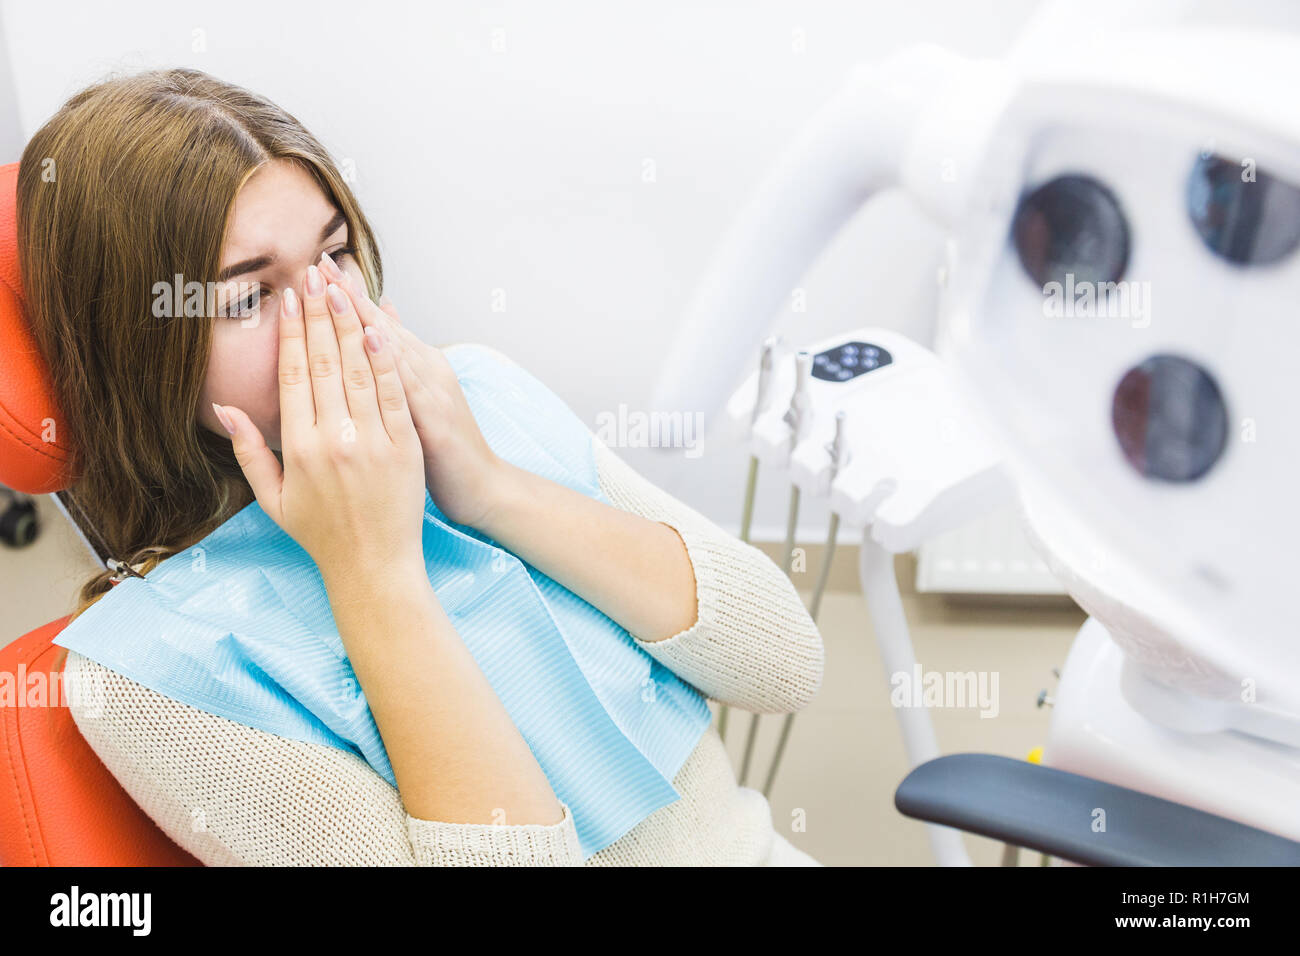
224 418
290 302
315 284
374 341
329 268
338 301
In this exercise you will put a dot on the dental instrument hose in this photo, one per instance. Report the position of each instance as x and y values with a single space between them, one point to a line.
787 561
761 401
839 455
799 417
746 517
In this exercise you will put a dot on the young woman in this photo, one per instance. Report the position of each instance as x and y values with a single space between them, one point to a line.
181 421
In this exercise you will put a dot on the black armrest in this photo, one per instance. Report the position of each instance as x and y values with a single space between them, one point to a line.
1052 811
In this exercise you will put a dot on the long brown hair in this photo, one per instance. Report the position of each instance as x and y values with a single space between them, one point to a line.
131 183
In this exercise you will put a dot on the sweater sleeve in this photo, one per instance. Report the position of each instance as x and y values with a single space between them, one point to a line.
232 795
753 644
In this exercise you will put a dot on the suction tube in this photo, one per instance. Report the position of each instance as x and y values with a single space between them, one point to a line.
839 452
764 398
799 416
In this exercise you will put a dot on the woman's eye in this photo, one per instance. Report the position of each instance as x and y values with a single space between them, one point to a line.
246 306
345 251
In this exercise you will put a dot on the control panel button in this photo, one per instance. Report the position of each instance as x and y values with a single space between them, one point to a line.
849 360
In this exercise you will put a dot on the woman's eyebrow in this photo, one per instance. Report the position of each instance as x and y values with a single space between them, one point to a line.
337 220
261 262
248 265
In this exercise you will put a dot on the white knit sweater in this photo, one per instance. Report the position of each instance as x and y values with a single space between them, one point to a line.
233 795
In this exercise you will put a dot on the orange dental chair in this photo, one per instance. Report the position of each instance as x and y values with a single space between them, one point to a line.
59 805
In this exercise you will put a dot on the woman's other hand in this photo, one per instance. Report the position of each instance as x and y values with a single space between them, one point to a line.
351 489
464 476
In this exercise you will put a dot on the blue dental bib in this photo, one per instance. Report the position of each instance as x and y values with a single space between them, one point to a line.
240 626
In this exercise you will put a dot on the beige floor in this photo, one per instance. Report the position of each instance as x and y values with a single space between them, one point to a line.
845 755
41 581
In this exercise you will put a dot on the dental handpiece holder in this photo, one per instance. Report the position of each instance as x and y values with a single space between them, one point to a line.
918 462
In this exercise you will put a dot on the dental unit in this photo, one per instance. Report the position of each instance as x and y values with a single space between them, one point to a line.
1125 433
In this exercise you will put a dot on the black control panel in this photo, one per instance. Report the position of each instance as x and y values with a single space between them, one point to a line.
846 362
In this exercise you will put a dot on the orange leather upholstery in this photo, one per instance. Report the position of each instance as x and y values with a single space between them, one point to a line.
59 805
35 449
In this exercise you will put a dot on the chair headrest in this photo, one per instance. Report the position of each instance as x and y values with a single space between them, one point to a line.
28 461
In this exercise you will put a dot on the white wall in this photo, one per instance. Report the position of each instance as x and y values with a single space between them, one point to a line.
12 137
503 145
